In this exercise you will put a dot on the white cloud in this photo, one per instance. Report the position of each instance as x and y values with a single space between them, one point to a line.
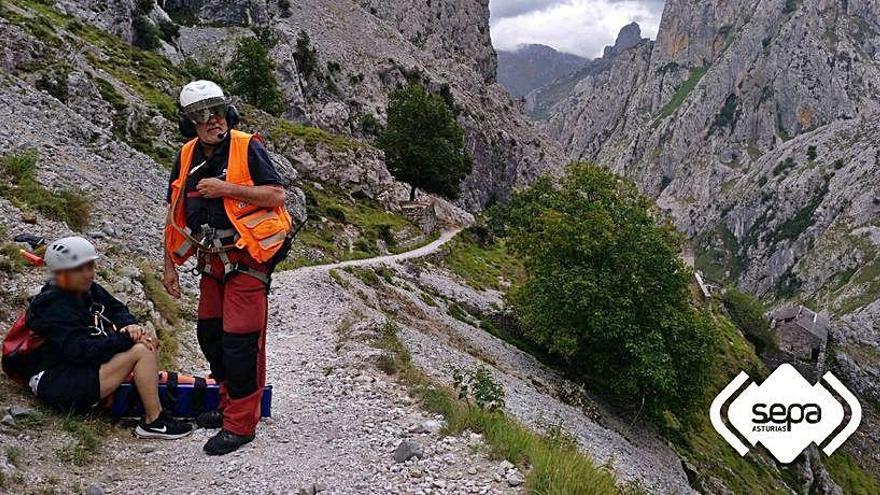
582 27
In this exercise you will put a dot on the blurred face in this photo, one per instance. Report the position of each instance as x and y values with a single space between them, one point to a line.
77 280
213 131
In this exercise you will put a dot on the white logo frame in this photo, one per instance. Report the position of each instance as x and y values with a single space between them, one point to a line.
793 394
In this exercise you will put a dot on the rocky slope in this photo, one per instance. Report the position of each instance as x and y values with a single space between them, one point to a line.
364 50
532 66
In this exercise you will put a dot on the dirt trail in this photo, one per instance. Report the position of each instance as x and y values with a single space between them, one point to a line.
425 250
336 419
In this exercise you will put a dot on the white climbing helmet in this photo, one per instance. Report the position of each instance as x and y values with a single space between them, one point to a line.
69 252
199 95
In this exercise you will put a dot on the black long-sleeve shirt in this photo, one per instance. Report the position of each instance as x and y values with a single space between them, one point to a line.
67 322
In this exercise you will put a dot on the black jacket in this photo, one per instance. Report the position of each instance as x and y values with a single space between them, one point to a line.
67 322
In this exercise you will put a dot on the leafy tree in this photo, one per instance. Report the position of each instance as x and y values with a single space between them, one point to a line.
423 143
251 76
606 290
747 314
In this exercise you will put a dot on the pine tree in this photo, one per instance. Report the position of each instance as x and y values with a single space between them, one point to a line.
252 77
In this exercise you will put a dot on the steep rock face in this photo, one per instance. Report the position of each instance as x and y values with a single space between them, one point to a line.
237 13
445 29
703 117
541 101
532 66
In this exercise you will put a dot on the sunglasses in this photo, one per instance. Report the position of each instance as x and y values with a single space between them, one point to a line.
90 266
202 116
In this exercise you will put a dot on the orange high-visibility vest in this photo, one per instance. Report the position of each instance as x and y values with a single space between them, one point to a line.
261 231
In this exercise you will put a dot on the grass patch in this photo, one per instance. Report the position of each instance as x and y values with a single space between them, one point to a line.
311 137
86 438
427 299
333 213
395 357
26 193
170 311
365 275
482 266
801 221
717 255
458 313
11 260
13 455
155 291
852 478
334 274
681 92
867 278
151 75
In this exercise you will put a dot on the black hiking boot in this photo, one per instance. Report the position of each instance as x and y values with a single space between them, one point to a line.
165 427
225 442
210 420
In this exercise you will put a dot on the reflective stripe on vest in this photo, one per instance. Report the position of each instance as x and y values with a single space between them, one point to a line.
261 230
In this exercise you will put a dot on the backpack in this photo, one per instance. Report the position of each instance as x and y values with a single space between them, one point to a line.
18 348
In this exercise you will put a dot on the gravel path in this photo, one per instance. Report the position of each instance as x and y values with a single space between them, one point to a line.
336 420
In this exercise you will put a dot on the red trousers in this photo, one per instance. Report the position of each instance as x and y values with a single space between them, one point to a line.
232 318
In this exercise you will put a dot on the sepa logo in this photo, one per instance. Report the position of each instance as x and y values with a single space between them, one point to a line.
785 413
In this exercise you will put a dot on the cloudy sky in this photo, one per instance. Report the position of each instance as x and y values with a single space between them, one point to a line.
582 27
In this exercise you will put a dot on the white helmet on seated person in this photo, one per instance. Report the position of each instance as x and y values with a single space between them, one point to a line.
69 252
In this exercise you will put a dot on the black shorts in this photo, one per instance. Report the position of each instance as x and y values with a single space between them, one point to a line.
70 387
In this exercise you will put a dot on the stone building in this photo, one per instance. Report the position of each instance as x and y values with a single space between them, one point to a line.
801 335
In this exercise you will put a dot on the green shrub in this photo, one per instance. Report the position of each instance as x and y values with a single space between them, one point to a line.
66 205
369 125
727 116
479 384
811 153
146 33
169 31
252 76
54 82
144 7
423 144
783 166
284 6
747 314
606 290
305 56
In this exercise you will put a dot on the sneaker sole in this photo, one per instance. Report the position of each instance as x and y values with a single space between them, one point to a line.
228 451
143 433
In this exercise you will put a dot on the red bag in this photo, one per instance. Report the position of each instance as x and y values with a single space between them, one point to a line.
18 346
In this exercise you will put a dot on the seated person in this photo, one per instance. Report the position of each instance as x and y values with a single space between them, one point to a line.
93 343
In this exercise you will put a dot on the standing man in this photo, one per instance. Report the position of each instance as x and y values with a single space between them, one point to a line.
226 205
